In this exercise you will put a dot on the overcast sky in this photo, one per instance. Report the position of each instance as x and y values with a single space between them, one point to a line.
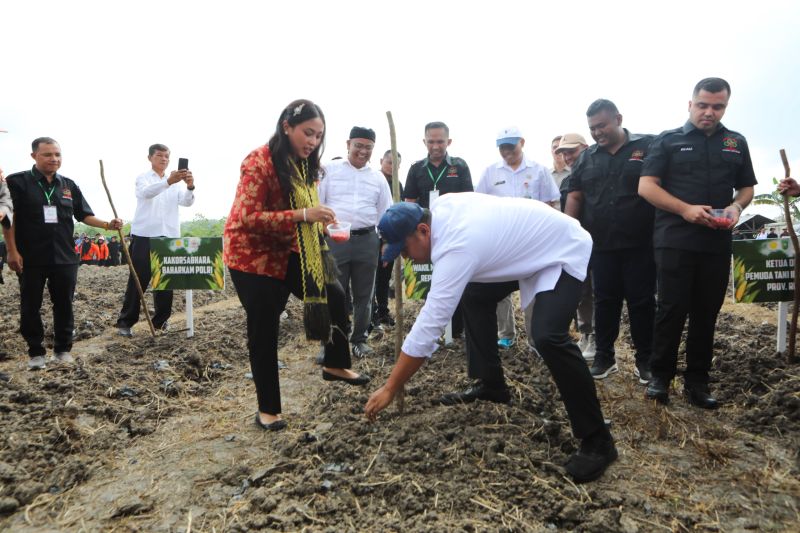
107 79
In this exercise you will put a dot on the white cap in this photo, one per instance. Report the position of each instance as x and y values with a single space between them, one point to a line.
510 135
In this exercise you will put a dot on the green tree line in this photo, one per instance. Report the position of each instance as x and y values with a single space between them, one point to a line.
200 226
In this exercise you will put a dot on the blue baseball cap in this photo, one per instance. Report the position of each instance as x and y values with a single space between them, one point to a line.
397 223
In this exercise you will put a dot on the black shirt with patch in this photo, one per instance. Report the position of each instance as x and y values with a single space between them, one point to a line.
40 243
700 170
613 212
455 177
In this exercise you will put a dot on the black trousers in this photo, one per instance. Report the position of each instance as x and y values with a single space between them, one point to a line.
552 313
264 299
60 280
132 304
628 275
690 284
382 278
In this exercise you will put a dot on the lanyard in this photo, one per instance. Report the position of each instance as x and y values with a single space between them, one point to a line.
47 195
435 181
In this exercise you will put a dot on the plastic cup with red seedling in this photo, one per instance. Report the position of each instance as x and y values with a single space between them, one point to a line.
722 219
339 231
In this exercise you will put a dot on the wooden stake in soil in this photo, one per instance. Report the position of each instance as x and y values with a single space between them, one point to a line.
127 255
796 246
398 278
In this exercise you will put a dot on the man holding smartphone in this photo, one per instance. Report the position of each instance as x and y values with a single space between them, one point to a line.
158 197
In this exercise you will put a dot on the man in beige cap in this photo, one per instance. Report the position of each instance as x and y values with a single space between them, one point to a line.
571 146
560 168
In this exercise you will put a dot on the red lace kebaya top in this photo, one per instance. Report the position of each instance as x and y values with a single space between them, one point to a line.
259 233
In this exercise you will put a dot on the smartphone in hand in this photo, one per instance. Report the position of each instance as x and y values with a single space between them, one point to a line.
183 163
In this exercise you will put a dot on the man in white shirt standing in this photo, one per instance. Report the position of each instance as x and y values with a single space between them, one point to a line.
158 197
485 248
359 195
515 176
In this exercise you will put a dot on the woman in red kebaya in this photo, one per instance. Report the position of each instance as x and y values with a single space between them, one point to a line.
274 246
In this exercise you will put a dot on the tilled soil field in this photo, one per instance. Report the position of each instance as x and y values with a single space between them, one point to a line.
157 434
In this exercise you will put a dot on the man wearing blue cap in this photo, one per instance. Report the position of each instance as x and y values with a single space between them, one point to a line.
484 248
515 176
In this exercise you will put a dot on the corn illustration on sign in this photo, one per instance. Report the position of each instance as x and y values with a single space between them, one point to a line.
187 263
763 270
417 279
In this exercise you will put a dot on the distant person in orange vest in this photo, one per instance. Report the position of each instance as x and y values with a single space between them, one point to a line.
88 251
102 251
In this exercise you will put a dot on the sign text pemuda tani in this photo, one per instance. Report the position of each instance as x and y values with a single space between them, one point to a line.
763 270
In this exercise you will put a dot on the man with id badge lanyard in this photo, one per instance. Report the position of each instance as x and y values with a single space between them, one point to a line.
41 250
439 173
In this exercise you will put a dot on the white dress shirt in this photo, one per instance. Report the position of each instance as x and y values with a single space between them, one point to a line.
359 196
530 180
157 206
486 239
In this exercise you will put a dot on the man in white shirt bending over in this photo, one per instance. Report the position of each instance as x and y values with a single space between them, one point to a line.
157 199
359 195
515 176
485 248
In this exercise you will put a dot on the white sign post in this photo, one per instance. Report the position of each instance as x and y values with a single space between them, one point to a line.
189 314
783 311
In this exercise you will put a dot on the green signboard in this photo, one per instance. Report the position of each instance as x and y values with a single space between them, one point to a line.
417 279
187 263
763 270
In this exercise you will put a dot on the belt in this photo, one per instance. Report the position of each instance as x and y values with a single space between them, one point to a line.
362 231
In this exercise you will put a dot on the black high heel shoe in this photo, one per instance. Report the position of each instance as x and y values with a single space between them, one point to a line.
273 426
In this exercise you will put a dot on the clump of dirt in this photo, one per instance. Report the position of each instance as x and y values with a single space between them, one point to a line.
57 423
758 380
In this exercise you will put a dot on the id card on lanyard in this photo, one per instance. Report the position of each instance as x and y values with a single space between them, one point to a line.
434 194
50 211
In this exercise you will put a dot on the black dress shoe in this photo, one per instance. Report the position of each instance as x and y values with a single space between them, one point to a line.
595 454
478 391
362 379
658 390
699 395
273 426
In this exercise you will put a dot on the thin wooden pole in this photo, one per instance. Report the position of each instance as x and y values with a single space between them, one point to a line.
398 278
796 246
127 255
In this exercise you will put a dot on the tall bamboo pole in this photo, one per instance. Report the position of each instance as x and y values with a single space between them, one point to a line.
793 235
398 278
127 255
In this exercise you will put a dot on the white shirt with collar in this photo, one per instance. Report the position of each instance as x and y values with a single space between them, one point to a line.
529 180
359 196
157 206
485 239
